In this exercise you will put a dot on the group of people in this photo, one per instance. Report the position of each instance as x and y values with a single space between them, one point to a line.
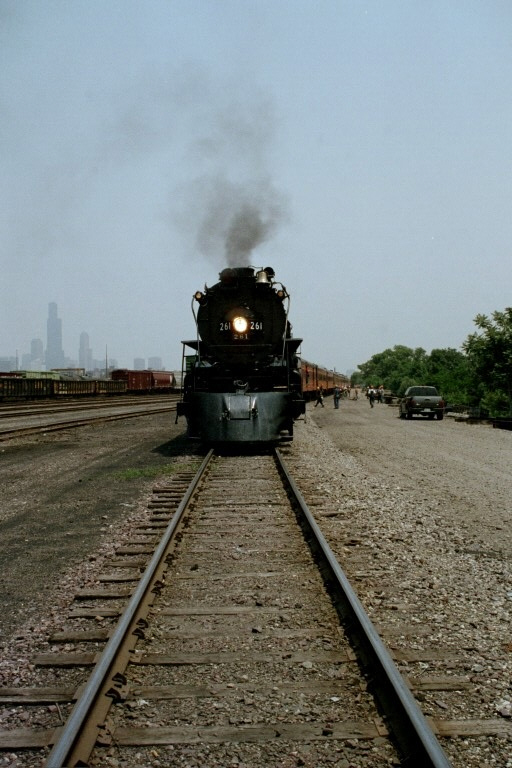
338 393
375 394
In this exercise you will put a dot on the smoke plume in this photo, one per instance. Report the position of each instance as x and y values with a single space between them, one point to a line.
235 218
233 207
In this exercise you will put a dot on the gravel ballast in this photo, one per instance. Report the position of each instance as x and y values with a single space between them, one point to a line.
418 513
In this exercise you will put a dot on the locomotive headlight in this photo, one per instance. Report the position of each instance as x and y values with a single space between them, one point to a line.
240 324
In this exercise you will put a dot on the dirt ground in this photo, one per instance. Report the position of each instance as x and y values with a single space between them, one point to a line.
59 494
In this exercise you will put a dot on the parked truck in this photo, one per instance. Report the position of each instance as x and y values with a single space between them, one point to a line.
421 401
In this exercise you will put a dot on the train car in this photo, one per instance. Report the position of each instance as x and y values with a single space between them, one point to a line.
136 381
314 377
110 387
73 387
19 388
163 381
242 383
145 381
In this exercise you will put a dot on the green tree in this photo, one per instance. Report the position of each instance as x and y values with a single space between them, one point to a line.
396 368
356 379
402 367
490 355
449 371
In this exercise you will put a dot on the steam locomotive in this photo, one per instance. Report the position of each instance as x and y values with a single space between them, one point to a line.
242 383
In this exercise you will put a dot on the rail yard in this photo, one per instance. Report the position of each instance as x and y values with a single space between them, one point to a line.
243 661
28 419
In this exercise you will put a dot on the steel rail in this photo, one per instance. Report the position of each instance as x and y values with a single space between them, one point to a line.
62 751
408 726
9 434
20 410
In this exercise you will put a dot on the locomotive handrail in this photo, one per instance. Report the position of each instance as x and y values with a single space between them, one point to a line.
285 332
198 338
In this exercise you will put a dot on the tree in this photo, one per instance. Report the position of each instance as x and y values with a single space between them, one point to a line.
448 370
402 367
490 356
396 368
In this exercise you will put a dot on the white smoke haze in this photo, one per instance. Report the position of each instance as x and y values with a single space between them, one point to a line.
204 142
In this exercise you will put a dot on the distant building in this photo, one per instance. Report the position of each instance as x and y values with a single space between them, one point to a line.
33 360
85 352
54 352
139 363
7 364
155 363
37 349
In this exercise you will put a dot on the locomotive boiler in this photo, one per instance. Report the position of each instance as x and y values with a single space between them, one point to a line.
242 382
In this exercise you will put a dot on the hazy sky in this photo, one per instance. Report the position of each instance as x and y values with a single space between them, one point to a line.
371 138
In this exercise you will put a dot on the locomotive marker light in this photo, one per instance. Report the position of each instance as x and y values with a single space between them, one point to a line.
240 324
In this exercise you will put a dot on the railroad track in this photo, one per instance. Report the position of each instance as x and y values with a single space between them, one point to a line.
10 410
62 418
229 647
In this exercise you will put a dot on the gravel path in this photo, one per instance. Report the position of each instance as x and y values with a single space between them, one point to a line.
419 515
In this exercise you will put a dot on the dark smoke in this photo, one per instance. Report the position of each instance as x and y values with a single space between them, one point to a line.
233 219
247 230
233 207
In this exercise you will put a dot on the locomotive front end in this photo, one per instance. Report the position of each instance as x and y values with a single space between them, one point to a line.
242 384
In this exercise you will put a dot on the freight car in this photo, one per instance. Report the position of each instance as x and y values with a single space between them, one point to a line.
80 387
145 381
243 383
20 388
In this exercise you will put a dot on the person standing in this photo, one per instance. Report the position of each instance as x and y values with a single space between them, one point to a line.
337 395
319 397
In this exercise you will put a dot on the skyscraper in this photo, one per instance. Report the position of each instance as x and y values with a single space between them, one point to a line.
37 349
54 352
85 352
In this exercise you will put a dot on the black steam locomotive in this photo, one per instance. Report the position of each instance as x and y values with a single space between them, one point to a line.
243 383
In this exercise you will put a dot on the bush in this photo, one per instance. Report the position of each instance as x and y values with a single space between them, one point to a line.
496 403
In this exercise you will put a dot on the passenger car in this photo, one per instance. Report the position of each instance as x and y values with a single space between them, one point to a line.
422 401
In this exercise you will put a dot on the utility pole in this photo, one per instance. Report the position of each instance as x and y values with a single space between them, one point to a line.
106 361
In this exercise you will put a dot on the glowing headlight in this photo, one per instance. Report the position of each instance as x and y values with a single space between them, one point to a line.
240 324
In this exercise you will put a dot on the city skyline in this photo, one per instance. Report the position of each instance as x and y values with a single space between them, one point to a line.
53 355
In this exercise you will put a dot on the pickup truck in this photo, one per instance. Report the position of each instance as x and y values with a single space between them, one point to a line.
424 401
